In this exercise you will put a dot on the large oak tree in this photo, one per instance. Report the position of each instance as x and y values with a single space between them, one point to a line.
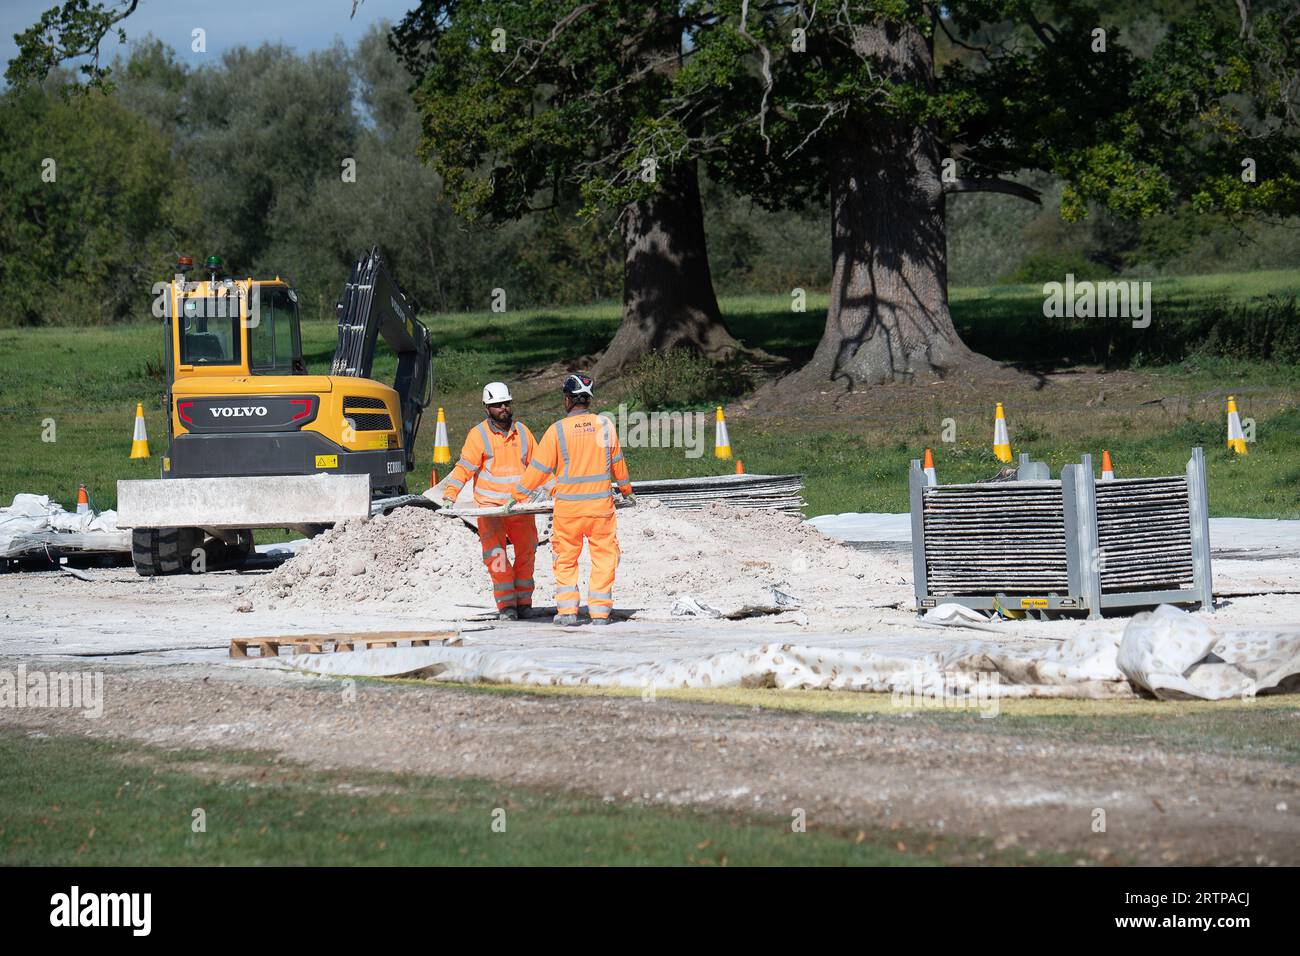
557 104
889 106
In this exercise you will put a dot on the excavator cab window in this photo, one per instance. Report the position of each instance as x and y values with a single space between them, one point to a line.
210 330
275 345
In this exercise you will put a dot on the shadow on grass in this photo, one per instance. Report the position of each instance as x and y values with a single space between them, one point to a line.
1006 325
1013 329
535 342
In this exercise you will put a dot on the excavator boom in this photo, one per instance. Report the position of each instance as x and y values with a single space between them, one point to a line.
372 305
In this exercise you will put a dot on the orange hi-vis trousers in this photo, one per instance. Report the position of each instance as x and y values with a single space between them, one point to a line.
567 534
512 583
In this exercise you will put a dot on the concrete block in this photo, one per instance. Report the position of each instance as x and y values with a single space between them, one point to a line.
258 502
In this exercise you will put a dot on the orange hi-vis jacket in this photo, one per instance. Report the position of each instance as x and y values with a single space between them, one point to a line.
495 460
582 451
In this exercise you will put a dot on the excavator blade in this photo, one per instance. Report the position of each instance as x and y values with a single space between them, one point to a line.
280 501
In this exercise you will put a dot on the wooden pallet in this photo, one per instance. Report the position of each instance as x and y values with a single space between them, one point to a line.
326 643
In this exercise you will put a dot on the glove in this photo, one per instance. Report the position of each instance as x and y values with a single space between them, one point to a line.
449 502
630 498
511 505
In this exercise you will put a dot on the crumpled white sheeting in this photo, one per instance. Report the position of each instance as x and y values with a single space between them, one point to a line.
30 514
1153 653
957 615
1176 655
761 601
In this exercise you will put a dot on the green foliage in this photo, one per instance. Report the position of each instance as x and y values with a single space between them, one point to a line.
260 132
753 250
1159 119
682 378
1055 263
1269 331
993 238
540 104
65 33
1212 95
89 216
563 258
221 160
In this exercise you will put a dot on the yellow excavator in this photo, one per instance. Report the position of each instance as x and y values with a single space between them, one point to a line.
254 440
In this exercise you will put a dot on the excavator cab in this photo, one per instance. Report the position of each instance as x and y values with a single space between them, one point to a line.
243 405
251 325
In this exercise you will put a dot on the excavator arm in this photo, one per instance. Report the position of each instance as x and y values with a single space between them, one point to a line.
373 305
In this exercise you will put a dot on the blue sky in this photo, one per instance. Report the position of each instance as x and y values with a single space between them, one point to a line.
302 24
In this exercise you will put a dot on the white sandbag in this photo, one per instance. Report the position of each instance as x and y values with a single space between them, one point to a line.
952 614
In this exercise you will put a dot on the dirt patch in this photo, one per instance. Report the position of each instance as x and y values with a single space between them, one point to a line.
1079 402
1162 805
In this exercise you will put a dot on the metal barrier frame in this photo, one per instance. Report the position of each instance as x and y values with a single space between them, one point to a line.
1079 499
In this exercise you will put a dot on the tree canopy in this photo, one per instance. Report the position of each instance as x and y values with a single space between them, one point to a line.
889 106
71 31
1142 146
555 105
884 108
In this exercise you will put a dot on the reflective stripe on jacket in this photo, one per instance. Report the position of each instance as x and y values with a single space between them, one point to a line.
582 452
494 460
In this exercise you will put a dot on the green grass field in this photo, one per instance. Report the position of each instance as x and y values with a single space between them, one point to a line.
79 386
88 802
98 802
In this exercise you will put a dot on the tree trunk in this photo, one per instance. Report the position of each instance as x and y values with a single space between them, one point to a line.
668 295
888 318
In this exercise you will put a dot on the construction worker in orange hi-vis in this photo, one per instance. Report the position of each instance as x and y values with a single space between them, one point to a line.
582 452
496 453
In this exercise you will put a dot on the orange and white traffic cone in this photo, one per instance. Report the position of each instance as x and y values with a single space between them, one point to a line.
1107 467
740 467
931 478
140 440
441 447
1001 440
721 440
83 501
1236 437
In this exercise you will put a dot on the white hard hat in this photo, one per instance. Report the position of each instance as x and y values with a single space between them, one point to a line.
496 392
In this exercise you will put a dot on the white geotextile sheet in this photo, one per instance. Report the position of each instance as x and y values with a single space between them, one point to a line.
1168 653
864 526
32 514
1242 533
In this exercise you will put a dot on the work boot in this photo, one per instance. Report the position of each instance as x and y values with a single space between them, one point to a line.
600 620
565 620
508 614
525 611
